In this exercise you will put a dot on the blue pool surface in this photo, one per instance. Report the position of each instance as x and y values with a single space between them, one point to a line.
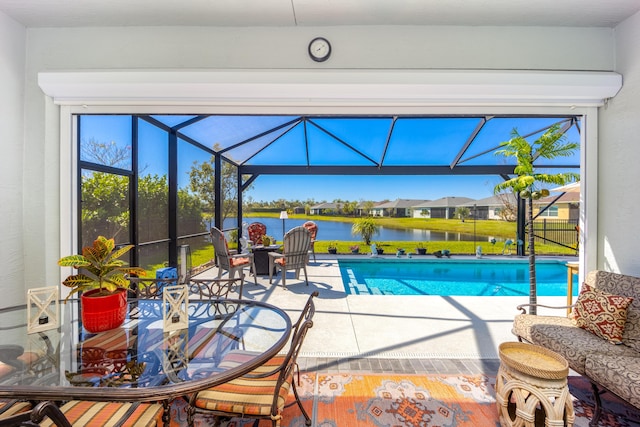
474 277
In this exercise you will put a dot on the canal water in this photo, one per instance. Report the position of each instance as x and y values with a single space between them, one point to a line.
334 230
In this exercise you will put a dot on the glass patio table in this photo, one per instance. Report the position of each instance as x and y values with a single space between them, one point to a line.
137 361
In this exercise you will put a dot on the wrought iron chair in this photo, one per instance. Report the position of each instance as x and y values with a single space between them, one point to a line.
260 394
12 407
294 256
205 344
142 287
77 413
227 262
313 230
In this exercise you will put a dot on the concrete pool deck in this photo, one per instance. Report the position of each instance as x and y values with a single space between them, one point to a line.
397 327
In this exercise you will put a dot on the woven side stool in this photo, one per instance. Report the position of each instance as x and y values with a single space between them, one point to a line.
531 387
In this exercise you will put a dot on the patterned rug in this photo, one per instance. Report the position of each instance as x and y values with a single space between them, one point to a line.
356 400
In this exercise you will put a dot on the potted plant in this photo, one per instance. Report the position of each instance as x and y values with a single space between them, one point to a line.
102 279
355 249
400 251
421 248
379 248
332 248
266 240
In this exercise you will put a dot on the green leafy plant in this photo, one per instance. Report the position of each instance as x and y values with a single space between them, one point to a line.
529 184
366 228
99 268
462 212
333 245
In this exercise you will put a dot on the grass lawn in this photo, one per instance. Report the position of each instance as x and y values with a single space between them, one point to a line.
456 248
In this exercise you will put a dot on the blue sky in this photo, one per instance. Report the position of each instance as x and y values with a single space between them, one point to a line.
437 141
376 188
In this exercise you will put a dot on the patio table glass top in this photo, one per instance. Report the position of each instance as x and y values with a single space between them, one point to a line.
138 360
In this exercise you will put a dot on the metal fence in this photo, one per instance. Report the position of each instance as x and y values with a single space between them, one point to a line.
557 231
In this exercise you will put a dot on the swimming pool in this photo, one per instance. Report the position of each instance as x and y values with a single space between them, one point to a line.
477 277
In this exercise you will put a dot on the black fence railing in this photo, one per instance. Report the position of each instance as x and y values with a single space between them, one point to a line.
557 231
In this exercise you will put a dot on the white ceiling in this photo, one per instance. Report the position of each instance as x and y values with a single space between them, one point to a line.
287 13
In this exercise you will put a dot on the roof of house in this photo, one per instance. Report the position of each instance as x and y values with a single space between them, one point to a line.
442 202
325 205
496 200
400 203
565 198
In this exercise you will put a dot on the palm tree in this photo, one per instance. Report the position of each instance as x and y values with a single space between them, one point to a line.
461 212
529 184
365 227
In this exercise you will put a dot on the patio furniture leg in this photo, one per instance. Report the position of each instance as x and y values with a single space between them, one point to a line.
597 410
270 270
307 419
241 275
253 266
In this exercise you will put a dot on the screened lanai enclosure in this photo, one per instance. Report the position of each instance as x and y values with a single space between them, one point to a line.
161 181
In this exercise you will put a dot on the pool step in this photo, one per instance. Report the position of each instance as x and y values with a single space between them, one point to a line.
356 288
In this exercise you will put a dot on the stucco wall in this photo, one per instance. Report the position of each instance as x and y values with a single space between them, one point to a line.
12 62
283 48
619 151
353 47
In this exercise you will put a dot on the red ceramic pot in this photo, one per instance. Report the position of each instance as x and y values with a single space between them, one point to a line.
101 313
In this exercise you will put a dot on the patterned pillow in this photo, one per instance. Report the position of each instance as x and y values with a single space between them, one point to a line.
601 313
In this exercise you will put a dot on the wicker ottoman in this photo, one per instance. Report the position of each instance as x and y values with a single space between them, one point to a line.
531 387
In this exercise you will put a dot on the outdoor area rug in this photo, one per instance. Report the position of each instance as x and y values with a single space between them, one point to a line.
381 400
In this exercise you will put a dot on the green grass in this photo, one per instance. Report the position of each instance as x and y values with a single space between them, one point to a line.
455 247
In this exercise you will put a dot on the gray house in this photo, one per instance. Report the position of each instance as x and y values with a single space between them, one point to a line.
501 206
323 208
439 208
399 208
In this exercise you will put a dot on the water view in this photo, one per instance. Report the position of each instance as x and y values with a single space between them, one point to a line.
334 230
451 277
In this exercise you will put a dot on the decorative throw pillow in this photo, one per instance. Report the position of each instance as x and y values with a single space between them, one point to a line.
601 313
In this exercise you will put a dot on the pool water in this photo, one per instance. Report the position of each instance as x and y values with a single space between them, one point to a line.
451 277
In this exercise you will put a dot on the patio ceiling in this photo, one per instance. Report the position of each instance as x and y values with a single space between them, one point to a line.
367 145
309 13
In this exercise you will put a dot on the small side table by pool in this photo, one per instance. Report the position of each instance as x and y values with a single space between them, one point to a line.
531 387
